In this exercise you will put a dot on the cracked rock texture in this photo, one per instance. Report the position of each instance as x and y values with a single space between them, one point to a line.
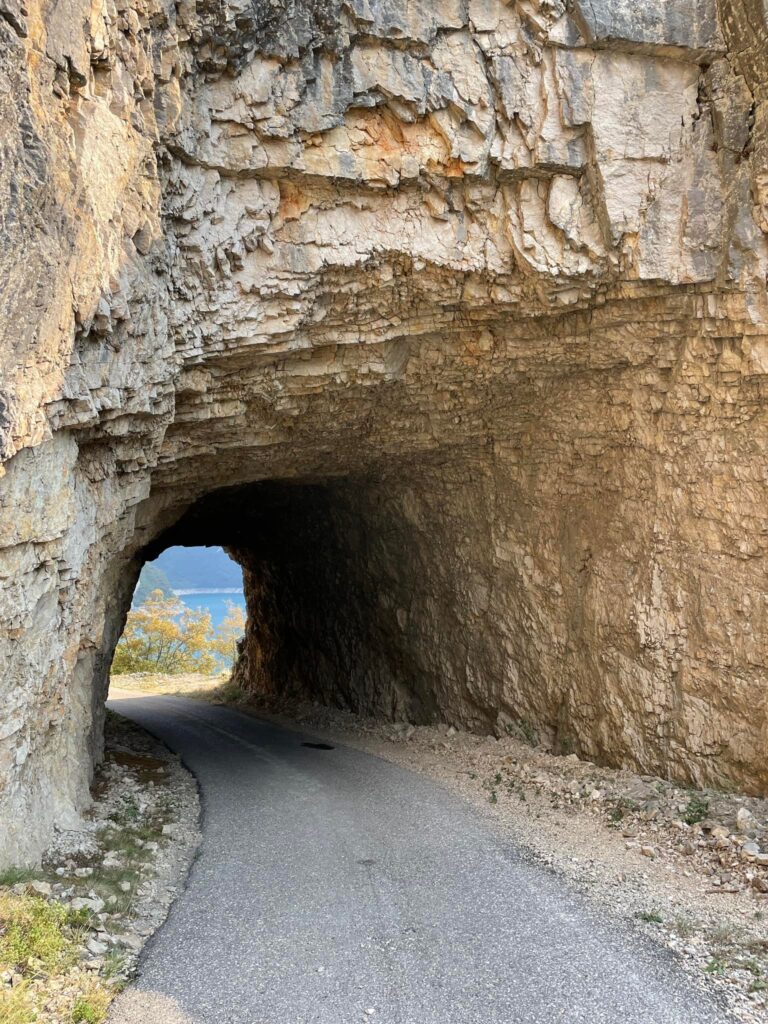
449 319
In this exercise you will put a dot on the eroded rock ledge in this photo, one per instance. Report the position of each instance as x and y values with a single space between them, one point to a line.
462 304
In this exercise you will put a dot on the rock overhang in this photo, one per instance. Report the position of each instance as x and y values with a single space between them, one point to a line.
495 272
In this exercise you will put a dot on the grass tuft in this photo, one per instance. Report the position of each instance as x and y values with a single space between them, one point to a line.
650 916
91 1007
12 876
16 1006
36 936
114 964
697 809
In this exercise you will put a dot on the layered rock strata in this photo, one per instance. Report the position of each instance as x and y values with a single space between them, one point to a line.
449 319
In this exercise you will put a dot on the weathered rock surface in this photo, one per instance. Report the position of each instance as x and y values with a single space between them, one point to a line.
482 283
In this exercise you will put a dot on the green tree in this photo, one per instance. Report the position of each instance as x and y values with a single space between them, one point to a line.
163 635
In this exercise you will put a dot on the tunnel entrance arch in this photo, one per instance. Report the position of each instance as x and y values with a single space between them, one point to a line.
500 267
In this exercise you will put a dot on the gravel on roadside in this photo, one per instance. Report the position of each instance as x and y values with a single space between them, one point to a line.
103 888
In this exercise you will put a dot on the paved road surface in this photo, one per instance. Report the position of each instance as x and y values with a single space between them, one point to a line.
335 888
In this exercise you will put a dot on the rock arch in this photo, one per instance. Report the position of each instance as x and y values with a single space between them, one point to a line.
475 291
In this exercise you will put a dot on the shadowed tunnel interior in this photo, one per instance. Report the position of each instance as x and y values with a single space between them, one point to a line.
335 575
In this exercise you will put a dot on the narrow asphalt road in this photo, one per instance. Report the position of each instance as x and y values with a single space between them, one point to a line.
334 888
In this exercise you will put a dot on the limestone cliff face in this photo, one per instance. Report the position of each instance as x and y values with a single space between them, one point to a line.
448 318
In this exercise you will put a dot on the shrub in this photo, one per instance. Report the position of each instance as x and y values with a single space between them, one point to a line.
696 810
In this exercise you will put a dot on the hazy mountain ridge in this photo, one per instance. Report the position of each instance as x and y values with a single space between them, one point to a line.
203 569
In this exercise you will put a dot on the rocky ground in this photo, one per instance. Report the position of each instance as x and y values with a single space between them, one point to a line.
71 931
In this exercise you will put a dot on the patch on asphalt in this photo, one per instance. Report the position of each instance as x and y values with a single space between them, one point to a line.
318 746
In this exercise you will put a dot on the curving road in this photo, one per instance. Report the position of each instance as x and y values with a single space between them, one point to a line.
333 888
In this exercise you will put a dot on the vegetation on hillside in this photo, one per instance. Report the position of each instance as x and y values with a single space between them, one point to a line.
163 635
152 578
198 568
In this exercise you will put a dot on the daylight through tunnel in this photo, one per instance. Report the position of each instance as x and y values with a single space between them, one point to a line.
352 597
506 587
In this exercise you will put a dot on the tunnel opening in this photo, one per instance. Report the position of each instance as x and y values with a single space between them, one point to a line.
206 577
365 592
476 586
186 618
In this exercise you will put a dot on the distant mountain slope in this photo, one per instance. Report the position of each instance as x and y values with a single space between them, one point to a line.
151 579
199 569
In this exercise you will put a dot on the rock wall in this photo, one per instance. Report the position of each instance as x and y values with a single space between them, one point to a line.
486 280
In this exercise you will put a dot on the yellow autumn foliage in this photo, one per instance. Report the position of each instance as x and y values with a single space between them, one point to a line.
228 633
163 635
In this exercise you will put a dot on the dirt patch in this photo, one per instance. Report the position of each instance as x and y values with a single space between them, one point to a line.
145 768
184 684
136 1006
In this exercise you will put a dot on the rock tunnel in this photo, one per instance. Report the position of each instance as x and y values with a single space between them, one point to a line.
448 320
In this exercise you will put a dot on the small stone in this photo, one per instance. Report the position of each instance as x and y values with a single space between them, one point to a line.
130 940
83 872
744 820
749 851
125 886
41 888
96 947
648 851
94 904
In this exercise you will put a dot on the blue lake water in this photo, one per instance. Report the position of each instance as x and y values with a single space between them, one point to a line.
217 604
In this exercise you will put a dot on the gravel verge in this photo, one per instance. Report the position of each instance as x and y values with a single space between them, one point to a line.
109 883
